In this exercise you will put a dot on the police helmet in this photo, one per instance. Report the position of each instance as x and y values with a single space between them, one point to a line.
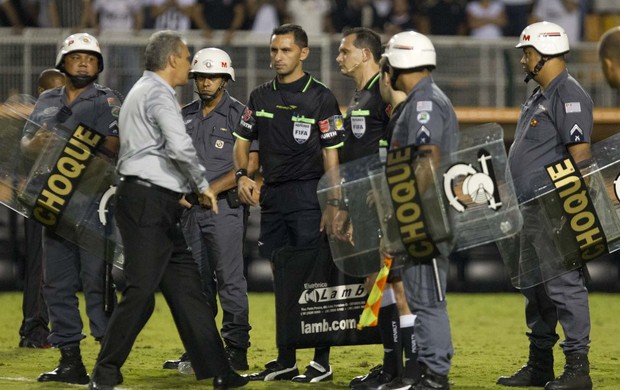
81 42
410 49
212 61
549 39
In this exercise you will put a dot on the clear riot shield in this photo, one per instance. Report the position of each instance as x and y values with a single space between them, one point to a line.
413 213
373 220
67 188
359 254
469 203
570 219
480 194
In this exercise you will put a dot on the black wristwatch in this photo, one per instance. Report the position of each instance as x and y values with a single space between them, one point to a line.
240 173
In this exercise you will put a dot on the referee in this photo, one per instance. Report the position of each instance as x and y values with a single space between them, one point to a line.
296 120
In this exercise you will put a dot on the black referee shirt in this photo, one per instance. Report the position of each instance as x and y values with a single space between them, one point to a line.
365 122
293 123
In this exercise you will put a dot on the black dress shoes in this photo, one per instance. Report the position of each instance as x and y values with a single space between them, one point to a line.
230 380
92 385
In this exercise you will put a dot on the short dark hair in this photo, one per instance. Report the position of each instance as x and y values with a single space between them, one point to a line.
366 38
48 76
301 38
161 45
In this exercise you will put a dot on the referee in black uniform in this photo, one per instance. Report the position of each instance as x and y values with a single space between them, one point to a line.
296 120
366 125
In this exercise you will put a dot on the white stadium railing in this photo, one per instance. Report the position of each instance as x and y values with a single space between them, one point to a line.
471 72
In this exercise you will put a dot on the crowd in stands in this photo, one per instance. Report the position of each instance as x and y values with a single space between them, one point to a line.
483 19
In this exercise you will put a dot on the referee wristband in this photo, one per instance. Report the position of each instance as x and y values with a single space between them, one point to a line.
240 173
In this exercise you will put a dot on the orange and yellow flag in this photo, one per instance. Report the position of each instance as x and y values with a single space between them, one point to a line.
370 314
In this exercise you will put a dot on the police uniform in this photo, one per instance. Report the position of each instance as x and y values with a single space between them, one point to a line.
216 240
428 118
293 123
65 263
550 121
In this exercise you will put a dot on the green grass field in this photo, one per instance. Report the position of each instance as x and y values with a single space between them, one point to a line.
488 332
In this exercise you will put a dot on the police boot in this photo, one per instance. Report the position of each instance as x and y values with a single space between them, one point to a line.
537 372
70 368
576 375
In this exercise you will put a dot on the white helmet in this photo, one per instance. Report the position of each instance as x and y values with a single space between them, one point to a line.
547 38
79 42
212 61
410 49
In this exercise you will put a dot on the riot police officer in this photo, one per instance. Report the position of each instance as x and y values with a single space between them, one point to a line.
555 123
216 240
427 121
66 264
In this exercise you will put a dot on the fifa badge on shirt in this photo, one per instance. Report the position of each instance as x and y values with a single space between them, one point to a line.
358 126
301 132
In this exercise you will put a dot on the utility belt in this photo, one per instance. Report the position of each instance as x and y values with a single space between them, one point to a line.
231 196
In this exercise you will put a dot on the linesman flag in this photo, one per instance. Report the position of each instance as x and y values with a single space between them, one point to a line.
370 314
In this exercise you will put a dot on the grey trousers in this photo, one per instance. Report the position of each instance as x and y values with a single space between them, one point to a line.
216 241
432 327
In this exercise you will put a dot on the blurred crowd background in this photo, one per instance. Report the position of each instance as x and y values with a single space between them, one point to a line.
485 19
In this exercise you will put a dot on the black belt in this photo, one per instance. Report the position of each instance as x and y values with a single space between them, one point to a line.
148 184
222 195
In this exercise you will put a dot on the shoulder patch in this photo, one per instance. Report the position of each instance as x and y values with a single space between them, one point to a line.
424 105
338 122
324 126
247 114
113 101
576 134
423 136
115 105
572 107
424 117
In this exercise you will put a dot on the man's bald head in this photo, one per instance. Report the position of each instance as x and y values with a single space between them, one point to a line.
50 78
609 44
609 56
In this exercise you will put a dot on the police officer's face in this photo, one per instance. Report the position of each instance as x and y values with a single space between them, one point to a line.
529 59
81 64
209 84
286 56
349 57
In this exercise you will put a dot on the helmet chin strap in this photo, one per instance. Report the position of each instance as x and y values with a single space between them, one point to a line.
79 81
537 69
206 98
